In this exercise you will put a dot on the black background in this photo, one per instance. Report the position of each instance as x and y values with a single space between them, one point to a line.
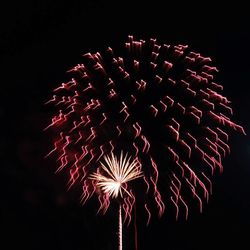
39 41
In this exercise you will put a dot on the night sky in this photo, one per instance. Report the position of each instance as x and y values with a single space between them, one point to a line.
39 42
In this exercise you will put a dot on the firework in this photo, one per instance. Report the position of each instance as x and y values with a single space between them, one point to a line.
114 179
116 175
161 105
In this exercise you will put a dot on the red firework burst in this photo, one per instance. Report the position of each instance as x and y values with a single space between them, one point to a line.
158 103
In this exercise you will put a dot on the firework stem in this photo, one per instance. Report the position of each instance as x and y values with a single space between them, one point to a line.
120 228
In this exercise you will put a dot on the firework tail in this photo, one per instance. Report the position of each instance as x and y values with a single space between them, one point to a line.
120 228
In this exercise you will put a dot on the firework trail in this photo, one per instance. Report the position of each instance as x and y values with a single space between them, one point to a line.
158 103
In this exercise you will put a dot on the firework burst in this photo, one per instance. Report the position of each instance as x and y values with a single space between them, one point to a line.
116 174
158 102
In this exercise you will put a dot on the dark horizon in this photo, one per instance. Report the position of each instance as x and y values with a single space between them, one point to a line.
40 41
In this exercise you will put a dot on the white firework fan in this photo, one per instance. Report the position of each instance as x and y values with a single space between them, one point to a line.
115 173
